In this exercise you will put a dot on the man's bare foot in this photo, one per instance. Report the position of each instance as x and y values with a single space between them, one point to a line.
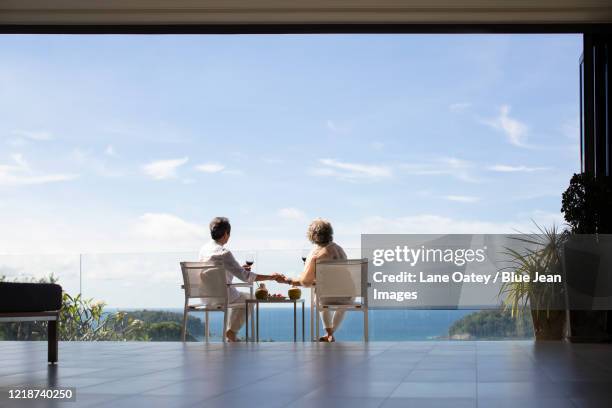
231 336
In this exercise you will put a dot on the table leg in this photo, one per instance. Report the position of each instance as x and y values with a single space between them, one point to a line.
303 327
207 326
252 320
257 313
294 321
247 322
311 316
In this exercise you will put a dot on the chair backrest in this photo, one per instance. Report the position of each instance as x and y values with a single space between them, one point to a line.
204 279
342 278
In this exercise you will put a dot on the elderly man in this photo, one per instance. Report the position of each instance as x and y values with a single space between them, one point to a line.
220 229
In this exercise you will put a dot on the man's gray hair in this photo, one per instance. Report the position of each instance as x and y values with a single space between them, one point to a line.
218 227
320 232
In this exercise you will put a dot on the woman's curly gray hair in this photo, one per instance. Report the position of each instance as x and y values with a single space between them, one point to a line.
320 232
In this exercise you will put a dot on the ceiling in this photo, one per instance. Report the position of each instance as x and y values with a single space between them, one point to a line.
257 12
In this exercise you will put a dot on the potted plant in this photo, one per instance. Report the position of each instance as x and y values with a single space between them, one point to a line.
586 204
587 209
545 300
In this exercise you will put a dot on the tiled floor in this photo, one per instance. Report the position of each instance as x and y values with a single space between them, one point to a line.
268 375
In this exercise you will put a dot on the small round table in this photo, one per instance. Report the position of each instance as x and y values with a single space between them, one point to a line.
285 300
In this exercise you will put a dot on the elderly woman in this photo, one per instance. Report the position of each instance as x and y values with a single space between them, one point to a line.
321 234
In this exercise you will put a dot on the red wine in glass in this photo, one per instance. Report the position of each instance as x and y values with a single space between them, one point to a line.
304 259
249 259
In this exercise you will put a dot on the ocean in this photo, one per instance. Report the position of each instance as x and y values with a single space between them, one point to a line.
276 324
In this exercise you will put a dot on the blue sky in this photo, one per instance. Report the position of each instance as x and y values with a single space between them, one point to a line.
132 143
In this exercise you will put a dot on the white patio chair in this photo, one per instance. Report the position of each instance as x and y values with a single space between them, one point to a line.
206 282
341 279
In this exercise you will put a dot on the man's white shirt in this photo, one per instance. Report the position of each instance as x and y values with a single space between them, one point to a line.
212 251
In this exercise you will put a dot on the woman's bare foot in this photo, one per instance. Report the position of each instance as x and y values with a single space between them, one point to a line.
329 338
231 336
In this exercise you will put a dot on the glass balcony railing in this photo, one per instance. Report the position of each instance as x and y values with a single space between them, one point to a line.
151 282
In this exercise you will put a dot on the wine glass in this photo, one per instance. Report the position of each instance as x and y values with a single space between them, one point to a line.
249 258
305 253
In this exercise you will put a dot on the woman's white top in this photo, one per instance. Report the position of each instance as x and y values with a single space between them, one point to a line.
332 251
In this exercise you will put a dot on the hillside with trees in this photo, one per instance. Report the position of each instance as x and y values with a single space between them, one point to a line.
491 324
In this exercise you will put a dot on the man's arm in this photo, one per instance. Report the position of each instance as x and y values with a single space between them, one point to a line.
244 273
232 266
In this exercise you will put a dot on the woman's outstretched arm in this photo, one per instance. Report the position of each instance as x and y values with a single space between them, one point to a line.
307 278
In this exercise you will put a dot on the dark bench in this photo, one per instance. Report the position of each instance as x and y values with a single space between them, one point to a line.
22 302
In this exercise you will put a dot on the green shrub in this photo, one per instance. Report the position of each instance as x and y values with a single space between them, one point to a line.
80 320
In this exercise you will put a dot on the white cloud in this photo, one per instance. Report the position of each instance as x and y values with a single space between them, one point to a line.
515 130
169 228
291 213
163 169
543 219
445 166
20 173
462 198
428 224
353 172
152 232
20 161
35 135
25 267
11 180
110 151
210 167
459 107
504 168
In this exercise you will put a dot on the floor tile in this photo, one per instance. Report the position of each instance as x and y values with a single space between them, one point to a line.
319 402
429 403
458 375
438 374
525 403
520 390
435 389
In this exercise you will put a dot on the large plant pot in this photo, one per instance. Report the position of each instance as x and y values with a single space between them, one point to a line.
548 325
589 326
587 283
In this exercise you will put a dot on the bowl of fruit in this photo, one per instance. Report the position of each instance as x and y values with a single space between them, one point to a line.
295 293
262 292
